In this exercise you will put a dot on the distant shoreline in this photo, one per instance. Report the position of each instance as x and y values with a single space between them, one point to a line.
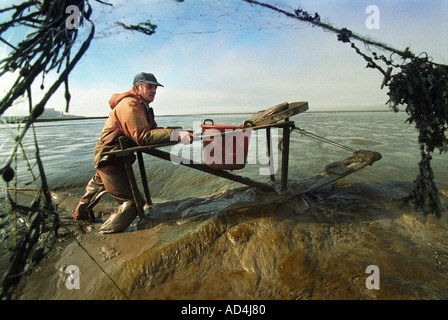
251 113
18 119
230 113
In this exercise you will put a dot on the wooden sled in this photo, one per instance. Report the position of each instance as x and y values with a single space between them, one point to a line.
331 173
267 119
276 113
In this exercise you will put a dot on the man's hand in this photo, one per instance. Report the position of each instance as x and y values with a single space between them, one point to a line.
186 137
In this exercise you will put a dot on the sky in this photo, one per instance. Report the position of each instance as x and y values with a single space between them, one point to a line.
226 56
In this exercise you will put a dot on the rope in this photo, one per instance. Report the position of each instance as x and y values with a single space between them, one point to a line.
322 139
93 259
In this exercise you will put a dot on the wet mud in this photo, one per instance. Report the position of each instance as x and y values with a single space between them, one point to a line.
241 244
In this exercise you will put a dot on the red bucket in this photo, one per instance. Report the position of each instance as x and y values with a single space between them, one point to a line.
224 151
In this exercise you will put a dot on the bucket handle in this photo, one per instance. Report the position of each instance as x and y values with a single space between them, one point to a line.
248 123
203 122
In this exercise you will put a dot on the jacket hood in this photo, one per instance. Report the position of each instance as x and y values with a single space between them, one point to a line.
117 97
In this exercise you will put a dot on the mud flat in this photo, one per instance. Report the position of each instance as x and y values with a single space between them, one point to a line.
241 245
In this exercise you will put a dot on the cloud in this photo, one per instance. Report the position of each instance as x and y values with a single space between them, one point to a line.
213 74
245 71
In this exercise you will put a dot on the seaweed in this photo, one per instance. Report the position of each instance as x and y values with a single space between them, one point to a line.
414 81
47 47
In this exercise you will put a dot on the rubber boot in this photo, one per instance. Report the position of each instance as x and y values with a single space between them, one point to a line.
120 219
92 196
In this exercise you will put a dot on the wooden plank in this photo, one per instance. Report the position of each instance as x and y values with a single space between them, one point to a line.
132 182
285 158
266 117
217 172
141 165
128 151
331 173
270 154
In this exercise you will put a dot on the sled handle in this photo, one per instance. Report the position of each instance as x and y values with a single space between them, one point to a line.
203 122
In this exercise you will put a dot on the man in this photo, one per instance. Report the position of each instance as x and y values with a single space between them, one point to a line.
132 118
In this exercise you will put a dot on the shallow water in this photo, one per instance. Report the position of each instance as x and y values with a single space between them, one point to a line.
66 149
238 246
240 243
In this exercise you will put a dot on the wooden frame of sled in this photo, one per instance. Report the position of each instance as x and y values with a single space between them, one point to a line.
267 121
262 120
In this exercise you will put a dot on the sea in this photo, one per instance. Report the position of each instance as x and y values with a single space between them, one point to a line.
211 238
66 150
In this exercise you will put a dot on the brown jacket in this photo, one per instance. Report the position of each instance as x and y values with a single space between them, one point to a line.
131 118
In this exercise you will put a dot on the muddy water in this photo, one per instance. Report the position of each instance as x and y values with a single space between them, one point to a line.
315 246
206 240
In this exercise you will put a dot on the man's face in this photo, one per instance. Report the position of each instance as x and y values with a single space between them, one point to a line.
147 91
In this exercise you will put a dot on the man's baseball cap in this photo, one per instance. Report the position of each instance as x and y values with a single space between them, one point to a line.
146 77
